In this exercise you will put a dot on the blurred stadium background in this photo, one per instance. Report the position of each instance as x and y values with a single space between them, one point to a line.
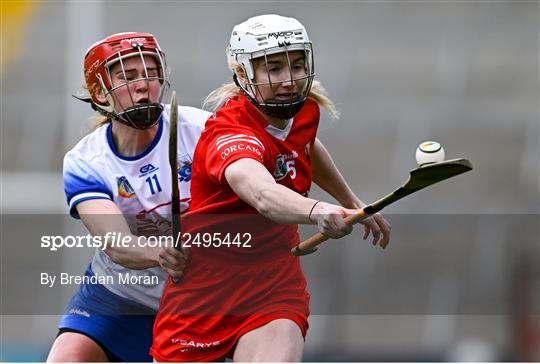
461 280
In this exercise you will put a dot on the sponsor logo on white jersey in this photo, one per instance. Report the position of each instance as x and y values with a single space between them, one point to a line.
147 169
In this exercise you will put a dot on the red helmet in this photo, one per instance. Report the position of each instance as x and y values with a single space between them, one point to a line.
97 64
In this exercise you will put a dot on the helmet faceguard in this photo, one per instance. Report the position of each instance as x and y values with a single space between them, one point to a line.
113 50
260 37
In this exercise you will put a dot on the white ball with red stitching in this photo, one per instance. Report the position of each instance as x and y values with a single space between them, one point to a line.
429 152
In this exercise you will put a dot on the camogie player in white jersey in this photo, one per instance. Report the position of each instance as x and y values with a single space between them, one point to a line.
117 179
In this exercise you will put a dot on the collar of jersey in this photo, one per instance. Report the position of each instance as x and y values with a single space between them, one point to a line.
144 152
280 134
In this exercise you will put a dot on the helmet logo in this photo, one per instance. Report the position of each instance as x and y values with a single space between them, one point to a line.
134 42
92 68
281 34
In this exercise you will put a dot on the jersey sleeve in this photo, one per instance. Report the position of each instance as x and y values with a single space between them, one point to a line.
82 182
228 145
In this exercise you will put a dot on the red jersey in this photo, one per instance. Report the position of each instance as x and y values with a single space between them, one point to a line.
231 287
238 131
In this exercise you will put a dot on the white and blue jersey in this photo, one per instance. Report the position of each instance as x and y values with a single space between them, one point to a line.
119 317
140 186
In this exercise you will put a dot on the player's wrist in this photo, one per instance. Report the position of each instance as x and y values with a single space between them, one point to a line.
349 200
311 214
321 210
150 253
355 203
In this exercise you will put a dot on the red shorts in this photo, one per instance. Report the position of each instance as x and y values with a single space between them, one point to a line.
202 317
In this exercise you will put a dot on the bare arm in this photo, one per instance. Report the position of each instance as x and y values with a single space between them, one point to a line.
256 186
101 216
251 181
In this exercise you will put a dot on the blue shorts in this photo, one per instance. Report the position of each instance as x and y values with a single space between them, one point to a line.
121 327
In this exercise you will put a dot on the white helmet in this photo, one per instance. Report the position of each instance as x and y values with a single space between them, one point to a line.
262 36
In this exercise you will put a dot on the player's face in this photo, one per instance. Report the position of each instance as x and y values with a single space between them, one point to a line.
280 78
133 85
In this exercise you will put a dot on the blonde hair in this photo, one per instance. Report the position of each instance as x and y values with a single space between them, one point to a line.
97 121
219 96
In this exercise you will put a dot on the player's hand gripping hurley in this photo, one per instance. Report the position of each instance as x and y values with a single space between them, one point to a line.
173 162
419 178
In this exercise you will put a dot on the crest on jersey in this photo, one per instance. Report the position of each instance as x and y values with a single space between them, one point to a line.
184 168
281 170
307 150
124 188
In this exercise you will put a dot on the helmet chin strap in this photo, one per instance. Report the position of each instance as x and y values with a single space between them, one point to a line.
141 117
280 110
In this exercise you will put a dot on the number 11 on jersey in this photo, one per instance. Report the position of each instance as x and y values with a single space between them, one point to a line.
154 185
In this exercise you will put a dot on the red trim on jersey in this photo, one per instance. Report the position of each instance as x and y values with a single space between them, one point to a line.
165 204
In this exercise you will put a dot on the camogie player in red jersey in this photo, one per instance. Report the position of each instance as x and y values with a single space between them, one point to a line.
243 294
